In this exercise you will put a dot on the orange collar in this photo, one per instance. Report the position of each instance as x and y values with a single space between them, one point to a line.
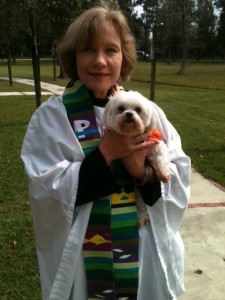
154 135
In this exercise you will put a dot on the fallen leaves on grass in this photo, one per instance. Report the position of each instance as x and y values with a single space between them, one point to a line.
13 243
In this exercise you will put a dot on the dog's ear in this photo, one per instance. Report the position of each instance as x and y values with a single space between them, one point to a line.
107 113
152 120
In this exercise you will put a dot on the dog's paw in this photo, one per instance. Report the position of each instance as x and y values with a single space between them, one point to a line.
165 178
143 221
163 175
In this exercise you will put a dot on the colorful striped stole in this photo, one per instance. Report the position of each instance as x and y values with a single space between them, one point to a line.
110 246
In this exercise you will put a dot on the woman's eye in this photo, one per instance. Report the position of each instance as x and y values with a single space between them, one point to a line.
112 50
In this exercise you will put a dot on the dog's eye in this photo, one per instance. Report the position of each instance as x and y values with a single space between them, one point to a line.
138 109
121 108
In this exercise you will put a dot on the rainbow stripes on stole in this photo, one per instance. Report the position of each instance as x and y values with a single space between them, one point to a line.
110 246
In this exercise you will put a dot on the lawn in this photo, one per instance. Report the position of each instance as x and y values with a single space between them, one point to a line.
205 75
194 103
18 266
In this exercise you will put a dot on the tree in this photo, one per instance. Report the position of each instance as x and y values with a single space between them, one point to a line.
148 20
168 32
9 20
111 3
185 9
128 9
204 28
54 17
220 4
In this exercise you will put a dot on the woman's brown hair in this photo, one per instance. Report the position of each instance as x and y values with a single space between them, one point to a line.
88 26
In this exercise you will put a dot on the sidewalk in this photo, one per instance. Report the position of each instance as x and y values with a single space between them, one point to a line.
203 231
52 89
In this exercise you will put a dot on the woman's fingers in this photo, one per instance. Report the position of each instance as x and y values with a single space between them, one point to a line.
118 146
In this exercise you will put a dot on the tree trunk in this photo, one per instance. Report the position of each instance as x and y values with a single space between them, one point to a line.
9 63
61 73
54 61
152 83
153 66
170 56
35 60
183 43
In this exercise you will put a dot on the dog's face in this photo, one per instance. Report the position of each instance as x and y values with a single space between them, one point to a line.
129 113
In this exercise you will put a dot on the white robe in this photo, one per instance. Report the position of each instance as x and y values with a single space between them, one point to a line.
52 156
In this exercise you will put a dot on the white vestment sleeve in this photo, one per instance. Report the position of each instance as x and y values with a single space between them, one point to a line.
52 158
167 213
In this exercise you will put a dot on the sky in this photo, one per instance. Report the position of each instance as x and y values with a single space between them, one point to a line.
139 9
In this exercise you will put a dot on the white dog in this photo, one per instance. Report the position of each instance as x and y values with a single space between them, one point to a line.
130 114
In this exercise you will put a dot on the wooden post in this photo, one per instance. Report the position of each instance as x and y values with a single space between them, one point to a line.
35 59
9 63
54 60
153 68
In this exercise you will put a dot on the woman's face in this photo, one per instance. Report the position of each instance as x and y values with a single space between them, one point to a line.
99 64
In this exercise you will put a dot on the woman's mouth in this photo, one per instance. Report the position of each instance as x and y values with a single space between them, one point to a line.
98 75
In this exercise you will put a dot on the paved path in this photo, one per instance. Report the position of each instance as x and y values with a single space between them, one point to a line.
52 88
203 231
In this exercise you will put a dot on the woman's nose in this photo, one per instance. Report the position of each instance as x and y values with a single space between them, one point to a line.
100 58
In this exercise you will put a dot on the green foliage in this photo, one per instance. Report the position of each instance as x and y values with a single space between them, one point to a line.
204 29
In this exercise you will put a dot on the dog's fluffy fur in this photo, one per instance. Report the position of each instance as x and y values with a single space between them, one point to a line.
131 114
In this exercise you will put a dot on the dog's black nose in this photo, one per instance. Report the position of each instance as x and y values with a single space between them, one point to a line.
129 116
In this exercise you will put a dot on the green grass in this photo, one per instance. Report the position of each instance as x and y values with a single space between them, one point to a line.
18 266
207 76
197 113
16 87
23 69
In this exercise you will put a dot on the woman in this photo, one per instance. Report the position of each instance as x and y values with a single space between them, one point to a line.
81 180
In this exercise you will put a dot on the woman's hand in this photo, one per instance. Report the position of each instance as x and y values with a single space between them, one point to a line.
135 163
115 146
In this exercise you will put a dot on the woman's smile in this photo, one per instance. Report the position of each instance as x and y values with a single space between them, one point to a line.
99 64
98 75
